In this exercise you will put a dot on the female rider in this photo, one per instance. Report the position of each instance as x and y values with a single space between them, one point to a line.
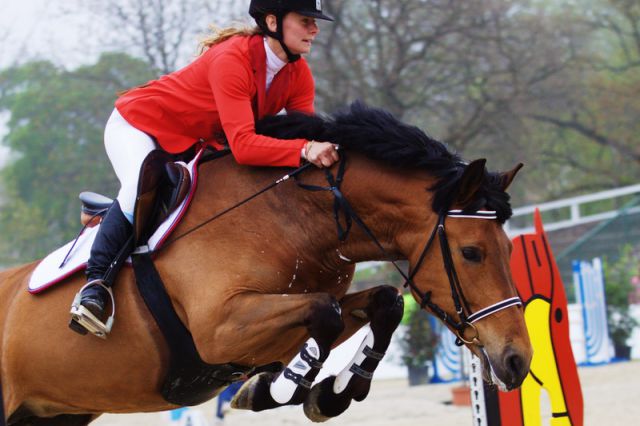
241 76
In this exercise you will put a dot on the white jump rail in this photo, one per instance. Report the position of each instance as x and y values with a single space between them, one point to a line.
574 204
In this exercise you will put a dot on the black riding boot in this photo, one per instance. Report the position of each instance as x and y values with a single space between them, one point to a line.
112 245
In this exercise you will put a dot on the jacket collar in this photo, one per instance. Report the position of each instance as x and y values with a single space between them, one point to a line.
259 65
279 86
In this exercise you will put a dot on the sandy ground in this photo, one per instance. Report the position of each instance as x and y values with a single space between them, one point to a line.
611 394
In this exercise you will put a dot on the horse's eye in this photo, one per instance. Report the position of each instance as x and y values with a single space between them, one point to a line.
472 254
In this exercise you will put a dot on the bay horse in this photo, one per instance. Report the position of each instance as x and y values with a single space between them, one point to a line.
268 281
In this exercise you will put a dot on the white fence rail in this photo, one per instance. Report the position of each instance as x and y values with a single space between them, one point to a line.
575 206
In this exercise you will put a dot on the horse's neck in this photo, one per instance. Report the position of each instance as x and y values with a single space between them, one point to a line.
389 201
286 216
303 221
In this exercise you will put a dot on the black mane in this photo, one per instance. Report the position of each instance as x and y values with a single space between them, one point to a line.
378 135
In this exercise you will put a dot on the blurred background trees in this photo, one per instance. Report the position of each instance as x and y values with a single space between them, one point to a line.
552 84
163 33
554 87
56 151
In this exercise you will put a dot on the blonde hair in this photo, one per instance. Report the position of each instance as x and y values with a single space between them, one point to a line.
218 35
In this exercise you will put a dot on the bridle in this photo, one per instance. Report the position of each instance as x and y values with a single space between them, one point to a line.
466 318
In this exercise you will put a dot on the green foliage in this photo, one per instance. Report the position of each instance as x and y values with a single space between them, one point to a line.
380 273
420 340
618 287
56 124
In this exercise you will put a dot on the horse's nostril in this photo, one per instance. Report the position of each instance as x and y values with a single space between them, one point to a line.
516 367
514 364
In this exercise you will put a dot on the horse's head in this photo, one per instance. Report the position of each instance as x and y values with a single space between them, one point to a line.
476 297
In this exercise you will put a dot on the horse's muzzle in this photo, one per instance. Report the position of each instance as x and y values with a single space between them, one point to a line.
508 370
516 368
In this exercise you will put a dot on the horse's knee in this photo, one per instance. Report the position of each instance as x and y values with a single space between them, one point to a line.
385 309
386 297
325 322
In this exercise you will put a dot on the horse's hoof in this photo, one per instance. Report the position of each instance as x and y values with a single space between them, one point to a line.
254 394
311 408
322 403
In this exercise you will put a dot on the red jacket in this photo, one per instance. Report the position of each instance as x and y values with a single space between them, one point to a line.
223 90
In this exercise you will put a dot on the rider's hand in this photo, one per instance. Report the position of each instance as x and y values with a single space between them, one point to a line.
321 154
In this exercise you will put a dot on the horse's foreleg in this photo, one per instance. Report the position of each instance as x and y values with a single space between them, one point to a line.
384 307
291 386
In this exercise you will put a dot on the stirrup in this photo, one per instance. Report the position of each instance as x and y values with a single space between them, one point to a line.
83 316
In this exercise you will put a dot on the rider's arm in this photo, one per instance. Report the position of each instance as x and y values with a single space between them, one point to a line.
231 83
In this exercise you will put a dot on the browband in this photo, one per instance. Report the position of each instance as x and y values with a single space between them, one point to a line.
480 214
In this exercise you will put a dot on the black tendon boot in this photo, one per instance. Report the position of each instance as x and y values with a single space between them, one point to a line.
111 247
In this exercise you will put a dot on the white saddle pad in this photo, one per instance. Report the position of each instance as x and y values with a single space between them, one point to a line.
51 270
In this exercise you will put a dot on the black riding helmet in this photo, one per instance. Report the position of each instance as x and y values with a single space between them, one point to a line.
259 9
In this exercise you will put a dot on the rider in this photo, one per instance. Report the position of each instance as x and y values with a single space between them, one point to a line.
242 75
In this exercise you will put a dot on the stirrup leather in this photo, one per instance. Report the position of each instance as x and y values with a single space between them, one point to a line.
86 319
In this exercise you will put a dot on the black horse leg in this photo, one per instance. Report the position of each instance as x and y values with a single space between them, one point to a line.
292 385
333 395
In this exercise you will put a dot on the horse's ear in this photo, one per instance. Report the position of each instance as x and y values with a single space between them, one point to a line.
507 177
470 182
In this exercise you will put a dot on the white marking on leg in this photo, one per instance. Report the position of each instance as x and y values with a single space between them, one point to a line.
342 380
282 389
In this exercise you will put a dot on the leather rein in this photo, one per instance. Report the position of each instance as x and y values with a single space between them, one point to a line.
466 318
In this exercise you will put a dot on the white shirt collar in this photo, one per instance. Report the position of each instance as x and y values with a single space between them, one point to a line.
274 63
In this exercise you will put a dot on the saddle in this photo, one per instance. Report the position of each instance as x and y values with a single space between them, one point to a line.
162 186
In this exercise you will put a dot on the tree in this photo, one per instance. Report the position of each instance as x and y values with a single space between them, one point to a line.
55 137
469 72
164 33
618 288
419 342
596 118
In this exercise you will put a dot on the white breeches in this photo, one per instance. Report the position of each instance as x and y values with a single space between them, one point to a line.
127 147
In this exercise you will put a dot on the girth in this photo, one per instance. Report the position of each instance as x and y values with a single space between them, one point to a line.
190 380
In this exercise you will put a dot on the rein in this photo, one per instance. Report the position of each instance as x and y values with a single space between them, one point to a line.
466 317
